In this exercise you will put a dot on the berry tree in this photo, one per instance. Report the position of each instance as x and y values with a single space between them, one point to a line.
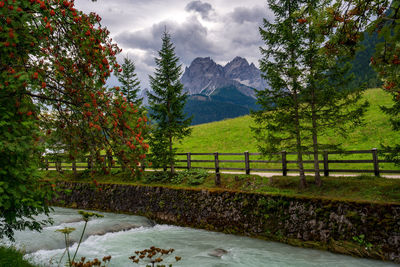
54 64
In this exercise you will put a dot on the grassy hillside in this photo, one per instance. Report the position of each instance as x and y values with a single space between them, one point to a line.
234 135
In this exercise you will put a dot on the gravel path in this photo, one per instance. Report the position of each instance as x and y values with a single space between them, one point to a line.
270 174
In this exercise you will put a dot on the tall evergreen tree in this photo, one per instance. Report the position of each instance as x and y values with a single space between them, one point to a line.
278 122
386 62
167 101
331 103
129 81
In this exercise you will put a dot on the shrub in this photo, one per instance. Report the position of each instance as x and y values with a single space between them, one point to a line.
158 177
194 176
13 257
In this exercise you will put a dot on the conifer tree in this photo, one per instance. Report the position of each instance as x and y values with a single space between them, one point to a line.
386 62
129 81
323 100
167 101
332 104
278 122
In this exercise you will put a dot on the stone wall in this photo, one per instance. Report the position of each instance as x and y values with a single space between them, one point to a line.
355 228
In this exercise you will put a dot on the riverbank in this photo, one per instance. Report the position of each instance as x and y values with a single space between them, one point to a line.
357 228
11 257
360 188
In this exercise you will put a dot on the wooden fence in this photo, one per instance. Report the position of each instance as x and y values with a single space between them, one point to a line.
280 163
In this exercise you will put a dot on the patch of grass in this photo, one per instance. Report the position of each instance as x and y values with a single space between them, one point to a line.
359 188
13 258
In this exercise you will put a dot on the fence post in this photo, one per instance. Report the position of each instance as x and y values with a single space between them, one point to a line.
89 162
58 164
74 166
326 166
46 164
284 163
375 159
142 166
217 174
109 159
247 162
105 161
189 160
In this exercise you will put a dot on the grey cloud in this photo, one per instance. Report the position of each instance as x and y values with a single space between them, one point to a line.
202 8
190 39
255 14
233 32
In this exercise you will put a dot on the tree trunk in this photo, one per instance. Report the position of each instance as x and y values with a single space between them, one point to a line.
303 182
293 62
314 129
171 155
318 180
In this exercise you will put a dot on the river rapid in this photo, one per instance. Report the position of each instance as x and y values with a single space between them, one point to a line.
119 235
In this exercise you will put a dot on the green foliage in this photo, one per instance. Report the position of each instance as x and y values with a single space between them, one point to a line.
167 102
386 62
278 123
329 101
194 176
22 194
309 93
54 64
363 71
361 241
158 177
355 188
190 177
130 83
13 257
381 18
178 178
86 215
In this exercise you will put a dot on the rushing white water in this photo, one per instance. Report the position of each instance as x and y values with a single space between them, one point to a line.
120 235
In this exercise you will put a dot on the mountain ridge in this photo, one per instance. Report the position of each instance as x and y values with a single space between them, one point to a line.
204 76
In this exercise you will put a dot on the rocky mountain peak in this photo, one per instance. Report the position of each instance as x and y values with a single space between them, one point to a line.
237 62
200 76
203 76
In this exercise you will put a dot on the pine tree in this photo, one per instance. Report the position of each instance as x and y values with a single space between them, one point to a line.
332 103
386 62
167 101
310 93
278 122
129 81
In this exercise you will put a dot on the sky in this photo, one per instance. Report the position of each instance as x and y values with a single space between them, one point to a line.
220 29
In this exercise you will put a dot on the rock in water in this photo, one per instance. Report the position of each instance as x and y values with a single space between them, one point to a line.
218 252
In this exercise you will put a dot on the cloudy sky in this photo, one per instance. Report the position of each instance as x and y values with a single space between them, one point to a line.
220 29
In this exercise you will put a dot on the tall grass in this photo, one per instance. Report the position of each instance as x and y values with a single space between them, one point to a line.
10 257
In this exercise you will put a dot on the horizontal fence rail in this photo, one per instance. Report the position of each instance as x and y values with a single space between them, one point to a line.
277 162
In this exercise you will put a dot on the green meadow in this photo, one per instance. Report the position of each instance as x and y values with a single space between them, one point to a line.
235 136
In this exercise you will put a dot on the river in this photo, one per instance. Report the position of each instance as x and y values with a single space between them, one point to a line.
120 235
